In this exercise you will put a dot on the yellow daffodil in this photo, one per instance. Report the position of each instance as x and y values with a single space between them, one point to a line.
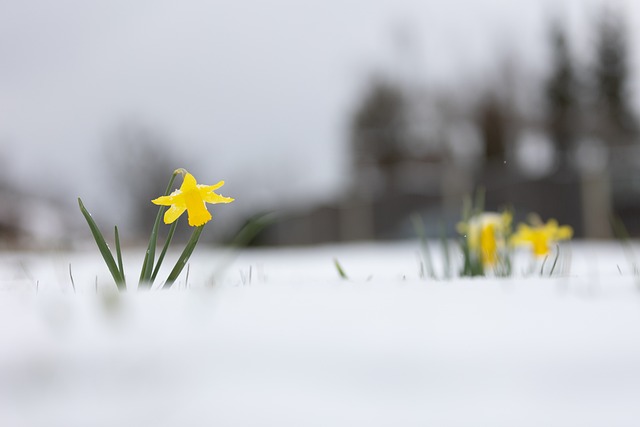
191 197
486 235
541 236
488 245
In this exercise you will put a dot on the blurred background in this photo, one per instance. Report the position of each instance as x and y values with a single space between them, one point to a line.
341 118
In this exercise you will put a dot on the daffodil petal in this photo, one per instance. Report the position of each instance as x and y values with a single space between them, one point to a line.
163 201
210 187
216 198
188 183
173 213
565 232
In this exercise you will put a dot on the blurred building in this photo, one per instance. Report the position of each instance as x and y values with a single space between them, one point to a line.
575 158
32 222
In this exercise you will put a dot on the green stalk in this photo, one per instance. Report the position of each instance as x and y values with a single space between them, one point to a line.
103 247
184 257
172 230
149 257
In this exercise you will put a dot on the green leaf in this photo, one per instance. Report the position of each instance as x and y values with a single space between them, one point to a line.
340 270
103 247
418 226
251 229
184 257
149 257
119 255
555 261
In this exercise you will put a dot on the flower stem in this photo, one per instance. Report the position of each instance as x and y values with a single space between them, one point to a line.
149 257
167 242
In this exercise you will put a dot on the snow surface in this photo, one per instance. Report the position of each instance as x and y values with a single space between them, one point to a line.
276 338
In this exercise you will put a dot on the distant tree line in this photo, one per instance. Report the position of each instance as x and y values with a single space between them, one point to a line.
580 99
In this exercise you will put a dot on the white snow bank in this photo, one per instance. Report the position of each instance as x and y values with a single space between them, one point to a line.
281 341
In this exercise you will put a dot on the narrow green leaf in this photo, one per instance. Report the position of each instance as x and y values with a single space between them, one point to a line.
340 270
444 243
149 257
544 261
419 229
119 255
184 257
103 247
555 261
167 242
73 283
480 200
251 229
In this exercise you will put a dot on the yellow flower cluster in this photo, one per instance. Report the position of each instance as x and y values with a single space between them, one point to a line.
488 239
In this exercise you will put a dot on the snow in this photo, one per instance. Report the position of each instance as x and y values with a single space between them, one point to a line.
274 337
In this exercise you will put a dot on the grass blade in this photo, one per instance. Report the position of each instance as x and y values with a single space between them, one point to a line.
103 247
544 261
340 270
555 261
184 257
73 283
479 201
444 243
419 228
251 229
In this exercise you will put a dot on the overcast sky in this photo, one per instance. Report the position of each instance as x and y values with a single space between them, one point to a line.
253 92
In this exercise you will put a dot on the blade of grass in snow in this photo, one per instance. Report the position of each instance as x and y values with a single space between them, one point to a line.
621 233
340 270
246 234
544 261
419 228
251 229
444 242
73 284
555 261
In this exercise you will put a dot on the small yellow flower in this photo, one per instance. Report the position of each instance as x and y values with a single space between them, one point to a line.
486 235
541 236
191 197
488 245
